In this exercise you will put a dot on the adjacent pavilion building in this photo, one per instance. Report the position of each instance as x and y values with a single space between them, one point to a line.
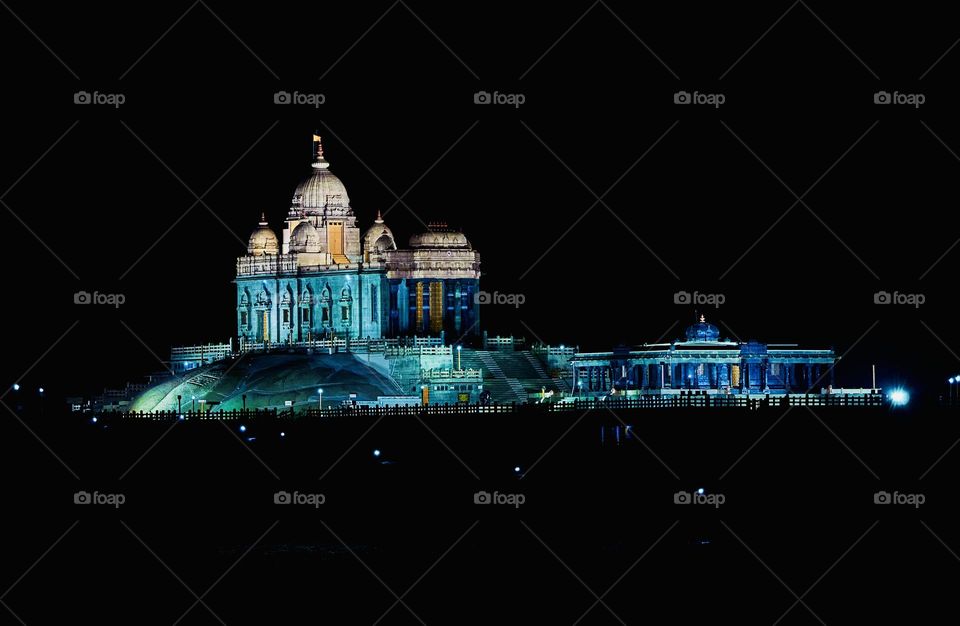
702 362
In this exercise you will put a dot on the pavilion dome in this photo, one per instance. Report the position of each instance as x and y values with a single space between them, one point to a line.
440 239
305 238
702 331
263 240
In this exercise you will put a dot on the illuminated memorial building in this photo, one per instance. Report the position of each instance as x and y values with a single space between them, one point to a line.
326 280
329 307
702 362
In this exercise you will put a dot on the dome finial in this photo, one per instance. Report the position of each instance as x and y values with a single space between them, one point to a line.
379 219
702 318
263 219
318 160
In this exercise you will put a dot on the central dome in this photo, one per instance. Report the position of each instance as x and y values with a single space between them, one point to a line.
320 191
702 331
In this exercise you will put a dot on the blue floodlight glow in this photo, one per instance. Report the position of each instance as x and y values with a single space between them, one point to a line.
376 452
182 417
700 491
899 397
243 428
950 380
94 419
16 386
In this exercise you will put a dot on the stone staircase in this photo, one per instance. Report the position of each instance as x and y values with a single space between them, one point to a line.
490 364
518 389
509 375
535 364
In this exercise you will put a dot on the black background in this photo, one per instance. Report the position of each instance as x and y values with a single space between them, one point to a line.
200 103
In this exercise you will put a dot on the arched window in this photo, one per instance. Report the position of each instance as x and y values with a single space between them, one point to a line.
346 305
286 308
306 301
325 307
244 312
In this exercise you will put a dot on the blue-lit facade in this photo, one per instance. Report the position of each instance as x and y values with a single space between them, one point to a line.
702 362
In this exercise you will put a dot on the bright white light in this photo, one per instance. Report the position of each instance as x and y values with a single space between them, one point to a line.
700 491
516 469
16 386
41 389
376 452
243 428
283 434
899 397
950 380
320 391
94 419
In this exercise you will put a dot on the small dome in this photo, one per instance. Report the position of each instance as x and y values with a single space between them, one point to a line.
305 238
379 237
702 331
263 240
440 239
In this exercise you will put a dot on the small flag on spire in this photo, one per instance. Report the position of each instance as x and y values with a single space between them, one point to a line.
319 143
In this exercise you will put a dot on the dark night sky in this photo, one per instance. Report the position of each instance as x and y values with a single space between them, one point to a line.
398 102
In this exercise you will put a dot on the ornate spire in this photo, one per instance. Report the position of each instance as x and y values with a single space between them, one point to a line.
263 219
318 160
702 318
379 219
